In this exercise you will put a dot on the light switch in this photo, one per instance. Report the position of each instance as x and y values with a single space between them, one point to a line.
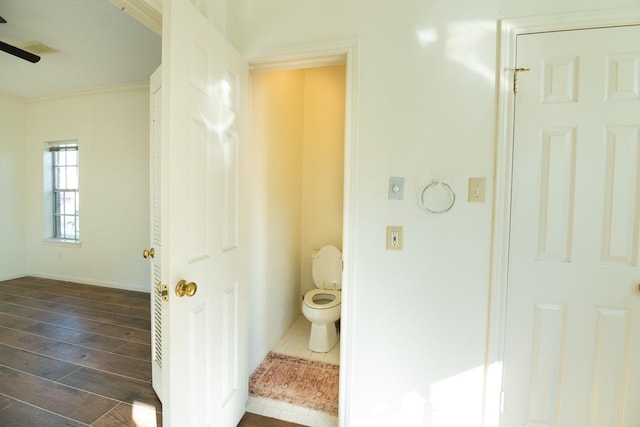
396 188
477 190
394 238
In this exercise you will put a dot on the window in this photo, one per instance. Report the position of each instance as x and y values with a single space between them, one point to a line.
64 191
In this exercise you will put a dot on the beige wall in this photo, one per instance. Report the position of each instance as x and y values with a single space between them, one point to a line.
13 189
112 129
322 164
275 205
297 162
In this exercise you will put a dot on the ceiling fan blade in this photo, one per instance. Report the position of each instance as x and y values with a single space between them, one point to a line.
16 51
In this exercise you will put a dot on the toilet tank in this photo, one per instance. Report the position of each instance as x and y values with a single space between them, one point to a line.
326 268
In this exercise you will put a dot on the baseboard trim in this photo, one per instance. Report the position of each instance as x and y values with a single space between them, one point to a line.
12 276
89 281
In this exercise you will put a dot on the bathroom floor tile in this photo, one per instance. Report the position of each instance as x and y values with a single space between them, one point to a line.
294 343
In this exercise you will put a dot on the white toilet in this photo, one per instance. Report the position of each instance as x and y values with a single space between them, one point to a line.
322 306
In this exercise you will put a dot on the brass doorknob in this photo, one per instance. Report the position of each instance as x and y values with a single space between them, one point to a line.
186 288
149 253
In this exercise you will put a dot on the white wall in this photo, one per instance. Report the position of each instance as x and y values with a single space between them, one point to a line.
13 189
112 129
426 109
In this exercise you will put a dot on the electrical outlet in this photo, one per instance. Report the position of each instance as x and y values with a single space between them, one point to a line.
394 238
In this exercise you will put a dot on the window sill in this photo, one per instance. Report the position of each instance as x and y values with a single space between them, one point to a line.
63 242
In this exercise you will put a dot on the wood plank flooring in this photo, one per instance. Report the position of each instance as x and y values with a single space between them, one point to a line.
74 355
78 355
255 420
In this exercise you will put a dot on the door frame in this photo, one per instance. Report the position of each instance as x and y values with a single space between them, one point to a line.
508 31
320 55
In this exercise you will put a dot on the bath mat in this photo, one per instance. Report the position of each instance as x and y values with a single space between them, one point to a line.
301 382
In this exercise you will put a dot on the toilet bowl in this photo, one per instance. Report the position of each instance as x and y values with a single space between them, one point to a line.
322 306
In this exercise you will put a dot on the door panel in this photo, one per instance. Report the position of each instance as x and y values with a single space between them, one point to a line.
620 239
158 309
205 85
573 326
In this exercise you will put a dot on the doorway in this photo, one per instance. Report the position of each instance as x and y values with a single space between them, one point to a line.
297 163
578 334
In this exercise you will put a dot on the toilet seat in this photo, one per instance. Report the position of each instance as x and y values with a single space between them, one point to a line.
326 269
308 298
324 312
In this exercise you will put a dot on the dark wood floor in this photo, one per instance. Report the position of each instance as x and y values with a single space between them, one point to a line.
253 420
78 355
73 355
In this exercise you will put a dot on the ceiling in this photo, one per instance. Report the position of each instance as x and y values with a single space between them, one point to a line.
98 45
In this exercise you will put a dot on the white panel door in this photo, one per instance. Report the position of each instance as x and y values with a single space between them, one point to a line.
573 306
204 97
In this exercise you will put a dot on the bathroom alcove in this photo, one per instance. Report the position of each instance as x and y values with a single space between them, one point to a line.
297 181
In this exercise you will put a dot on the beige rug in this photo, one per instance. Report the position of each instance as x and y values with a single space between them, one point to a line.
298 381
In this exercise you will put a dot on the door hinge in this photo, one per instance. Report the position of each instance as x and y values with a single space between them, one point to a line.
516 72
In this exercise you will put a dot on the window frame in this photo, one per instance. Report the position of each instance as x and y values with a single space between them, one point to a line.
63 189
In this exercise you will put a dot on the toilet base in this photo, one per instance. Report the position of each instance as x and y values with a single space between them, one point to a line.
323 337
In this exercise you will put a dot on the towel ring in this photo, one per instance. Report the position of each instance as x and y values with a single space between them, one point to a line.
437 197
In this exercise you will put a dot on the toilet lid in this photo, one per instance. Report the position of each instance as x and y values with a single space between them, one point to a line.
309 296
327 268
